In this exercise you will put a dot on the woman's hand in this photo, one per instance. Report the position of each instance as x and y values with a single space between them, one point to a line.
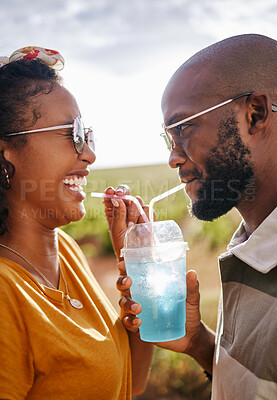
129 308
142 352
120 215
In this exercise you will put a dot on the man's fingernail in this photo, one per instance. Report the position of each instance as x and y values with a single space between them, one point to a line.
130 224
115 202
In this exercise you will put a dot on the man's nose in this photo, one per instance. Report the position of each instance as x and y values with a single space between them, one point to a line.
177 158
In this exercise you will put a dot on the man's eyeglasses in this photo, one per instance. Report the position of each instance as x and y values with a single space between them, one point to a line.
80 134
167 135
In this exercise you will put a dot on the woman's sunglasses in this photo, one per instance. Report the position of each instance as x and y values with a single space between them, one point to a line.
80 134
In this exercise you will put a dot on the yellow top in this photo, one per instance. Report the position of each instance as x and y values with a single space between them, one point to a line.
50 350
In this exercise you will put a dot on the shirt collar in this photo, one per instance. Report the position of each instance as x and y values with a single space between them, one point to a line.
260 249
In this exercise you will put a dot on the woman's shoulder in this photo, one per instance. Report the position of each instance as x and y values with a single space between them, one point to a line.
13 280
10 270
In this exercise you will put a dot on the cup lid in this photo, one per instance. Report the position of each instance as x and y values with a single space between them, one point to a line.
163 252
152 234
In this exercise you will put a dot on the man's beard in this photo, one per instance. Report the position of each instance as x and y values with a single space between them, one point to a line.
229 170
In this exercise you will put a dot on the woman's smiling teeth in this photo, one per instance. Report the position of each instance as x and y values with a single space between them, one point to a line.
74 182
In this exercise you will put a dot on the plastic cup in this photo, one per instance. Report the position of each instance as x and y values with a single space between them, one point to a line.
155 259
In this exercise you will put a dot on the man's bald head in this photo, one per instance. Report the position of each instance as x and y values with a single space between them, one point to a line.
238 64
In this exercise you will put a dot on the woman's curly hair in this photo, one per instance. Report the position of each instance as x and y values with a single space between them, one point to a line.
20 83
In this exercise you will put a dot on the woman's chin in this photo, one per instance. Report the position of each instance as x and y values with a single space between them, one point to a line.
75 214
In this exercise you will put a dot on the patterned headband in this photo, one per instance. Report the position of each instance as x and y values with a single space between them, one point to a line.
50 57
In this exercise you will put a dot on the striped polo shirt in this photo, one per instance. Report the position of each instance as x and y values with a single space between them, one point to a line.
245 358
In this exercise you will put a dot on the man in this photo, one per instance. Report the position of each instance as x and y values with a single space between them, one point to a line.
221 128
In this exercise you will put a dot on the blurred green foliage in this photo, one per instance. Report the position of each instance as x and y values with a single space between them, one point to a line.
176 376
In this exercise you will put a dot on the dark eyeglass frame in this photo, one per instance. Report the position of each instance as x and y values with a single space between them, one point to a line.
166 135
87 135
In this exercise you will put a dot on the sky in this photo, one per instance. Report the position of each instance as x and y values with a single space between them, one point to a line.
120 54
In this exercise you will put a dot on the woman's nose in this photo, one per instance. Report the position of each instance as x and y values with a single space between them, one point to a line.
88 155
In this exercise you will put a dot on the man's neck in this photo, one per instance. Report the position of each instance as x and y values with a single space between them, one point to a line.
256 211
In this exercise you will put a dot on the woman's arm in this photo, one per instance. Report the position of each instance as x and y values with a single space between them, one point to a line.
141 352
16 357
119 215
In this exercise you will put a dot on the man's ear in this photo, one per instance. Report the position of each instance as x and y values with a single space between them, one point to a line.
259 111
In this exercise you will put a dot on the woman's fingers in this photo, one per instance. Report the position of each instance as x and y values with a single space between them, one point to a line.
129 306
129 309
122 190
124 283
119 216
133 215
132 323
121 268
110 203
112 206
109 206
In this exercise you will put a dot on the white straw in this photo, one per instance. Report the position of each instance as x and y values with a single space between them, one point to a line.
162 196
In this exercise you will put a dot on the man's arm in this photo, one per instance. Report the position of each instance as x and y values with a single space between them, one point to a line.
202 347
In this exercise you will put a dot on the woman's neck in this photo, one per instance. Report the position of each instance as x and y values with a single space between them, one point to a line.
37 243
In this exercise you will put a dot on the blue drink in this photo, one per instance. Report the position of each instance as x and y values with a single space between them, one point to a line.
155 259
160 288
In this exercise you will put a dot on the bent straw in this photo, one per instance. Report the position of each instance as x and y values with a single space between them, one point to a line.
123 197
162 196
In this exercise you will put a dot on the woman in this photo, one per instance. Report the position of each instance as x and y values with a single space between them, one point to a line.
60 338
